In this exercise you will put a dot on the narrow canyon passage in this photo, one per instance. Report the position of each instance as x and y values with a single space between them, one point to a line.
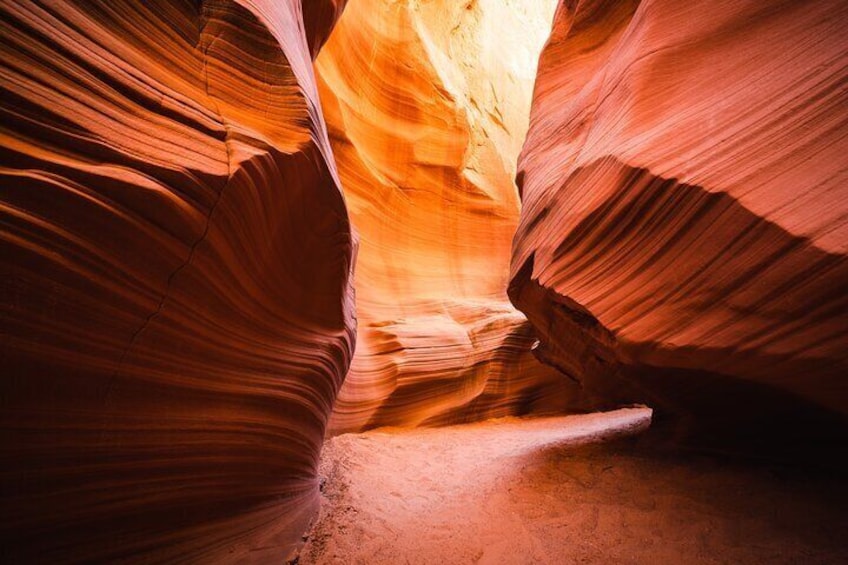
427 105
416 273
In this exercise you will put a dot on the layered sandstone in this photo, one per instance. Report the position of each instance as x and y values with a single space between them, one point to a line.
427 105
683 187
177 312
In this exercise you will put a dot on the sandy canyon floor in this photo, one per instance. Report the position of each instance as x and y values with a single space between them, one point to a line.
556 490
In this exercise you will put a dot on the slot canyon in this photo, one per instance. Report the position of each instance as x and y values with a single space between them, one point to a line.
424 281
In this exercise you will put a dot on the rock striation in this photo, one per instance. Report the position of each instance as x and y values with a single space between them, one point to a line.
684 196
427 105
177 311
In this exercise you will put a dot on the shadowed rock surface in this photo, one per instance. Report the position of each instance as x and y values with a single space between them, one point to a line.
177 312
683 187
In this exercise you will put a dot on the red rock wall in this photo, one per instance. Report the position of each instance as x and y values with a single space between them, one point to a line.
177 312
683 186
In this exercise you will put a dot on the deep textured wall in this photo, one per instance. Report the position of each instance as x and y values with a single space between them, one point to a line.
683 186
427 104
177 313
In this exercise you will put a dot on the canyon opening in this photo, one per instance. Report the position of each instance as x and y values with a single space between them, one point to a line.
424 281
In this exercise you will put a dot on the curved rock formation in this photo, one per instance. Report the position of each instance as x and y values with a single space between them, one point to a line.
683 185
427 105
177 312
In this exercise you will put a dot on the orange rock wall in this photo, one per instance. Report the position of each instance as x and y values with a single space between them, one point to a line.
427 105
176 255
684 184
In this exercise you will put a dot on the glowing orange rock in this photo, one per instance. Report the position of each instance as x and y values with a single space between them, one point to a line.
684 182
427 105
177 315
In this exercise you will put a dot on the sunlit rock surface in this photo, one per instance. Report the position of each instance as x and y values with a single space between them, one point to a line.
427 105
177 314
684 187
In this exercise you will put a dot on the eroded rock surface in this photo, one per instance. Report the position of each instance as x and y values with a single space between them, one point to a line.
427 105
683 185
177 313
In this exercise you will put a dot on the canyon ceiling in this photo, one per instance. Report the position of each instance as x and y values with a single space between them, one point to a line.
227 232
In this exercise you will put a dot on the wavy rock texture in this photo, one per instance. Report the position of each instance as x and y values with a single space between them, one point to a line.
177 313
683 186
427 104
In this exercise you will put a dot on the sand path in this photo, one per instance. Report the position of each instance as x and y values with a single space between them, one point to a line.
543 491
